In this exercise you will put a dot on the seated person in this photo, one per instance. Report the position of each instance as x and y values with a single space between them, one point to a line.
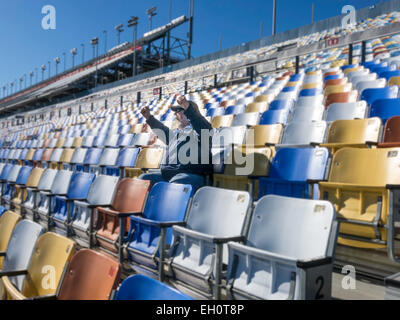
176 168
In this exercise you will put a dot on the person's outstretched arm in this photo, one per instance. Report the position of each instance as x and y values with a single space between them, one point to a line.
193 114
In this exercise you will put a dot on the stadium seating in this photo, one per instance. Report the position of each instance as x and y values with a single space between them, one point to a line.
391 134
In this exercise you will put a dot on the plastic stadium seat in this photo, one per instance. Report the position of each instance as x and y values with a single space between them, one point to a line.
235 109
82 210
335 82
20 249
8 221
246 119
126 158
303 134
277 263
311 101
125 140
346 111
151 233
274 117
148 158
371 95
281 104
51 254
394 81
55 158
311 92
391 133
390 74
32 199
294 171
213 112
358 188
385 109
8 185
77 159
216 217
108 158
256 107
66 158
361 133
130 196
222 121
140 287
338 89
307 114
15 189
90 276
341 97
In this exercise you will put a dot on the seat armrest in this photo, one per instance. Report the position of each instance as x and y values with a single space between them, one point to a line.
3 253
313 181
193 234
159 224
371 143
13 273
306 264
43 298
128 214
229 239
268 144
392 186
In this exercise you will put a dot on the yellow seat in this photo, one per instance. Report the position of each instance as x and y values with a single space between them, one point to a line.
243 162
312 85
222 121
60 142
148 158
263 135
77 142
291 84
8 221
357 186
346 71
29 155
359 133
394 81
268 98
256 107
136 128
66 157
338 88
20 191
49 259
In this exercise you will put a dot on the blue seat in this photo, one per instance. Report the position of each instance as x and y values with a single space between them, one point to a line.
281 104
99 140
296 77
166 206
348 66
385 109
235 109
78 190
38 155
373 94
126 158
23 154
310 92
215 112
92 157
140 287
333 77
292 169
274 116
24 175
289 89
389 74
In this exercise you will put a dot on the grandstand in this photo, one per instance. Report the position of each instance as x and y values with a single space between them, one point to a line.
316 108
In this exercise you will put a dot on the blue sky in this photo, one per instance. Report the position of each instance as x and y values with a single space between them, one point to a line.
26 46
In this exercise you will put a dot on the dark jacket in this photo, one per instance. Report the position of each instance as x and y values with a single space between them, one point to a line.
198 123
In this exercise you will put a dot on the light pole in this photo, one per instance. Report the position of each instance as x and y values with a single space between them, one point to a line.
49 68
73 51
31 76
151 13
133 22
95 43
20 82
83 52
274 18
105 40
43 67
4 91
36 75
65 61
57 61
25 79
119 28
12 86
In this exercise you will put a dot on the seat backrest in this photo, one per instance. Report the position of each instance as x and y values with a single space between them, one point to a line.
34 177
246 119
12 177
46 155
341 97
24 175
369 167
61 182
228 136
67 155
385 108
130 195
299 164
392 130
47 179
291 227
49 258
354 131
93 156
346 111
149 158
167 202
79 185
141 139
218 212
38 155
127 157
259 135
371 95
308 114
8 221
91 275
56 155
108 157
304 133
20 248
140 287
79 155
6 171
101 192
274 116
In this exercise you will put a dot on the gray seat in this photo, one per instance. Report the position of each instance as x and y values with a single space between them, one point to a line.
246 119
141 139
362 85
68 142
56 155
309 101
52 143
44 198
307 114
101 193
346 111
45 183
198 250
288 253
303 134
20 249
111 141
77 158
227 136
108 158
363 77
88 141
